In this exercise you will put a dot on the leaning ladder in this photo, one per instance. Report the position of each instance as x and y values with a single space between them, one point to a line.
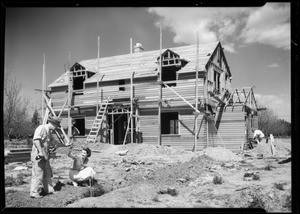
97 123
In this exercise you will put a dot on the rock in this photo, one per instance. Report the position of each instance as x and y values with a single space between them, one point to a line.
127 165
248 178
121 153
127 169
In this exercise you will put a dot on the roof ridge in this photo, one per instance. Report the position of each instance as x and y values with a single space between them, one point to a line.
163 49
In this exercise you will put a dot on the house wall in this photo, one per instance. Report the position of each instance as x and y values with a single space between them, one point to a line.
231 126
218 58
184 139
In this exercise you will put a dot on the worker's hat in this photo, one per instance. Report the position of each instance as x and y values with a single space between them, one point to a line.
55 121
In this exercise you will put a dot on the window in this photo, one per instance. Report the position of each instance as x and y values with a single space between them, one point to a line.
169 123
171 63
216 81
169 74
121 82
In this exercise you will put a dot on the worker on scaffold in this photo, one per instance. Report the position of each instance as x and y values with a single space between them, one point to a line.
43 140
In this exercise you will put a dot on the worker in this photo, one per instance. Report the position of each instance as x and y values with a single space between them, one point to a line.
257 135
40 154
80 172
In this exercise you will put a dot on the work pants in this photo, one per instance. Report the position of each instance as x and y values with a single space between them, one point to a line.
41 177
82 175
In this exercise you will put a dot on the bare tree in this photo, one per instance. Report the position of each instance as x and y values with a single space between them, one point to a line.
15 107
269 123
11 100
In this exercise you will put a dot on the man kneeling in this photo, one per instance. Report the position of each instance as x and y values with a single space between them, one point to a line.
80 171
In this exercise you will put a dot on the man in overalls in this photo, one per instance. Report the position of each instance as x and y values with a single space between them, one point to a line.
40 154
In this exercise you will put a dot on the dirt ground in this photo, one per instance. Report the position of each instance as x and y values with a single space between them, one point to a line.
164 177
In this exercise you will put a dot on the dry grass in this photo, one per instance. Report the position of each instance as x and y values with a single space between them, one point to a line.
12 181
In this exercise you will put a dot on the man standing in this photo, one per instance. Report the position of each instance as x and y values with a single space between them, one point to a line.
257 135
40 154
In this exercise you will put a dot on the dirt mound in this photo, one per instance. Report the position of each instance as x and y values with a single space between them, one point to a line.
151 150
264 148
174 174
221 154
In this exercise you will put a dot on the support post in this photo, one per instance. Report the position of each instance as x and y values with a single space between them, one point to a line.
131 93
196 95
160 85
112 138
43 87
97 108
70 85
206 102
98 58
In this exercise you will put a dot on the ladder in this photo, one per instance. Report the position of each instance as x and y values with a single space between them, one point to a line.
97 123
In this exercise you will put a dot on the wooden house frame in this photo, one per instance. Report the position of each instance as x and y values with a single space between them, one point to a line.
135 93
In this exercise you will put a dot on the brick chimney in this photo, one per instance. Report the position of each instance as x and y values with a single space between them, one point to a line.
138 48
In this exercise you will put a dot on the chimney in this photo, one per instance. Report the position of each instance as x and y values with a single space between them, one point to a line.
138 48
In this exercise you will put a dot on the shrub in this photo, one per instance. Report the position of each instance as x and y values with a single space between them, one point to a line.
11 181
170 191
268 168
248 174
218 180
257 202
256 177
155 199
279 186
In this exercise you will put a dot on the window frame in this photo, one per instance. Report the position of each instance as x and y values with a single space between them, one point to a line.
178 123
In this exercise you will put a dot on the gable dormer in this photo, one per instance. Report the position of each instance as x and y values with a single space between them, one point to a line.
171 63
169 58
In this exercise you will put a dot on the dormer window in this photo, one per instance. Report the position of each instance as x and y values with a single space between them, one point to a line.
171 63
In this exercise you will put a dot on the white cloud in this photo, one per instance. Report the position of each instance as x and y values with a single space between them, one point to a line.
274 65
212 23
269 25
229 47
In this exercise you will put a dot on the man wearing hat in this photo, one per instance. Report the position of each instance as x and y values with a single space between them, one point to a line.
40 154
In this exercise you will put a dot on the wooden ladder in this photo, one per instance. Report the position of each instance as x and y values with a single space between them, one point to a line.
97 123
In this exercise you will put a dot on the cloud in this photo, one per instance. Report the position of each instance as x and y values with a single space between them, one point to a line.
229 47
212 23
269 24
274 65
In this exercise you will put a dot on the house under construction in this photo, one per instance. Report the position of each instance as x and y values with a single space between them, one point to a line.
179 97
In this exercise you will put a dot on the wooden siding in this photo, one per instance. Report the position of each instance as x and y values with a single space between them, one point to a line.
183 140
145 92
231 127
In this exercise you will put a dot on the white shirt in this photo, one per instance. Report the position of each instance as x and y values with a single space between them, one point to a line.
44 134
258 133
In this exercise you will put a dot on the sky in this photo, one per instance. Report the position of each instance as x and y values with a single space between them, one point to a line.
256 41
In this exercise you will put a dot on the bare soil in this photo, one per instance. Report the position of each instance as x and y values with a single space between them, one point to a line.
164 177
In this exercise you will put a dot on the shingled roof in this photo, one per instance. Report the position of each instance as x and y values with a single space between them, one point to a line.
144 64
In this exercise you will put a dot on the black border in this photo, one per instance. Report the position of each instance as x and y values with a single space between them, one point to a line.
187 3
